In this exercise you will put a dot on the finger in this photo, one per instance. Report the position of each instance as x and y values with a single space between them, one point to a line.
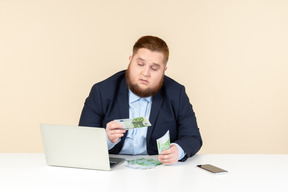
108 125
113 125
118 131
166 160
116 125
115 133
167 151
173 149
116 136
170 159
170 150
170 156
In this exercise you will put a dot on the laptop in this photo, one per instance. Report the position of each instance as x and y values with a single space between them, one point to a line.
77 147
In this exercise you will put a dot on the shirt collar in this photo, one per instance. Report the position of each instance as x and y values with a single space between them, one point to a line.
133 97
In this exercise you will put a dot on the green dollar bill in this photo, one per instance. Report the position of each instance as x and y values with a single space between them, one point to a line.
163 143
137 122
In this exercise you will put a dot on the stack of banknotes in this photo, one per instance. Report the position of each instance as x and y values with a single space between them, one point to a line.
163 143
142 163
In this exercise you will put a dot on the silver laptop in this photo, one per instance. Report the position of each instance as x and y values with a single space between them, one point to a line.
78 147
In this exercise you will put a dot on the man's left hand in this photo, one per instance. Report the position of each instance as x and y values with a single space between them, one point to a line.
169 156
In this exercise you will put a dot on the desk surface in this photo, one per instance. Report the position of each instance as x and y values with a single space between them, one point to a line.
247 172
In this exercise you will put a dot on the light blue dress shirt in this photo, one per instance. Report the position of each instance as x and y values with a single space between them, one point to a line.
135 142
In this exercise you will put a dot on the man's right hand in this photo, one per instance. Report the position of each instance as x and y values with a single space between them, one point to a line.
114 131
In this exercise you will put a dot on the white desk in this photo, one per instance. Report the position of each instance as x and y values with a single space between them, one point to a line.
29 172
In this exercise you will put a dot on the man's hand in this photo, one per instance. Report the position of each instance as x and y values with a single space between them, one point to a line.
114 131
169 156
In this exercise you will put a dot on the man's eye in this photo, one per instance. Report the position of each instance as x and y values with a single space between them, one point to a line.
140 64
154 69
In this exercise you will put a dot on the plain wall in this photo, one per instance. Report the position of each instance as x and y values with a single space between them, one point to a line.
230 55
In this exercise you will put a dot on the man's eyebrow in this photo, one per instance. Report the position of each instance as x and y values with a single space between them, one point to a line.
157 65
140 59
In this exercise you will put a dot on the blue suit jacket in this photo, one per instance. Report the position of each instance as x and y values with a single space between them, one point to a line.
170 110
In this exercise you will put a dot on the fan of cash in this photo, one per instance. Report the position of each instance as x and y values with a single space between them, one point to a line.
142 163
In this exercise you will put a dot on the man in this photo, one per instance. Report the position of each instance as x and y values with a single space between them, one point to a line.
144 90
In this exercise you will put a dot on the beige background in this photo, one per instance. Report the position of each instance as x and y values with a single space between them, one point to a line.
231 56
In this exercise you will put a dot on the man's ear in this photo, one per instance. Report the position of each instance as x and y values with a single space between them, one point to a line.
165 69
130 58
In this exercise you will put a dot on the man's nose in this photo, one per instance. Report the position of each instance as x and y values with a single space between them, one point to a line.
146 71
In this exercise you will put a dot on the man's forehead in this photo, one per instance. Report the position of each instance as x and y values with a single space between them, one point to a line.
154 57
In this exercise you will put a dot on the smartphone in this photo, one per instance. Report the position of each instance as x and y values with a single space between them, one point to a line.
212 169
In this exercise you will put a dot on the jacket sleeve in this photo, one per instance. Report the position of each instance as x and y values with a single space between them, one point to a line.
92 114
189 137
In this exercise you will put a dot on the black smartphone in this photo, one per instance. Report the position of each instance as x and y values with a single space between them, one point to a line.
212 169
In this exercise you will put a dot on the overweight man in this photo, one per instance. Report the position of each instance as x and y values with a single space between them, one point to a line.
144 90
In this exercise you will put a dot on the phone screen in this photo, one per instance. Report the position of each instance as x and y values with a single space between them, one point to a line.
212 169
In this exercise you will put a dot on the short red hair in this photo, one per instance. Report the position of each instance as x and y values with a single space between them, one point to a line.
153 44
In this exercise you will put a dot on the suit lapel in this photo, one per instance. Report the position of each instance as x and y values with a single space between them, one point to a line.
122 100
123 104
155 108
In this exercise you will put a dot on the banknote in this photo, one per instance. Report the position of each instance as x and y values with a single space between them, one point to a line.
137 122
142 163
163 143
